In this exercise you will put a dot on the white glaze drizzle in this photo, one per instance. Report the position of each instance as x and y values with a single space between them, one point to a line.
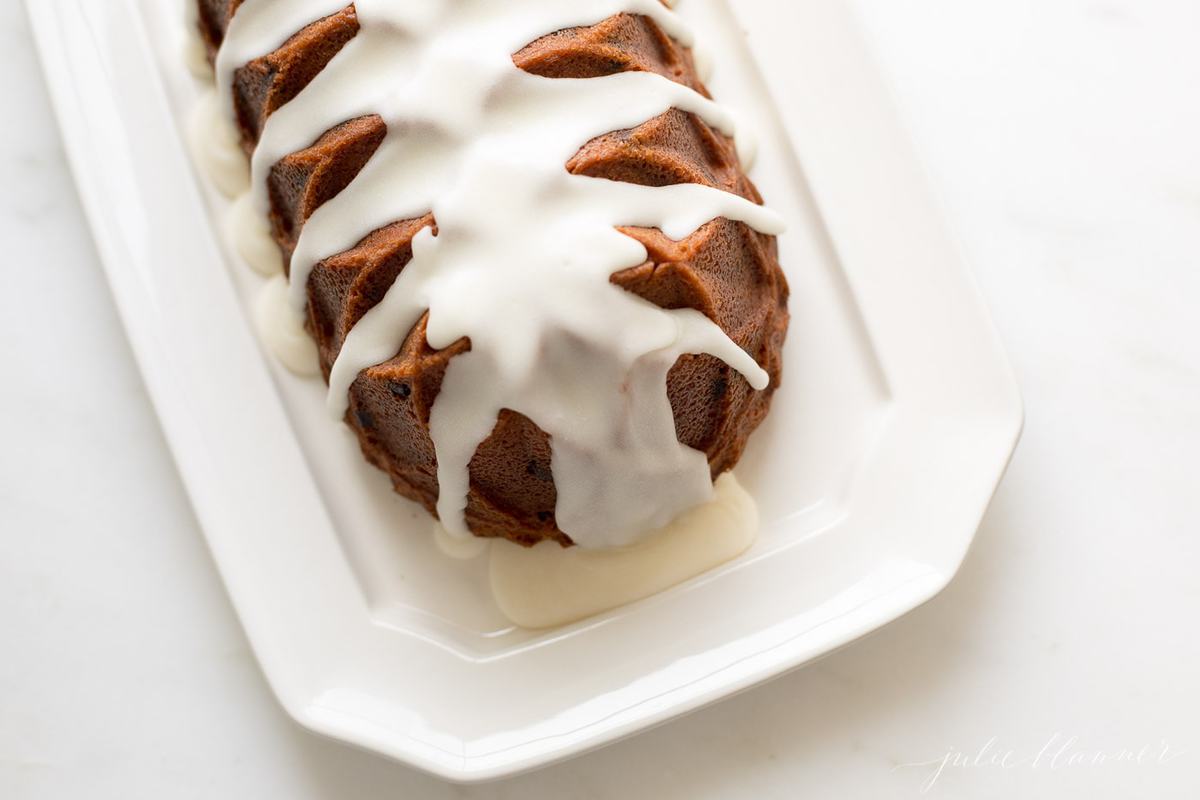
524 251
459 548
251 234
282 331
195 57
215 142
195 54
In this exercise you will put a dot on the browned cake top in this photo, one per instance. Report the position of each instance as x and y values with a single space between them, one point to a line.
725 269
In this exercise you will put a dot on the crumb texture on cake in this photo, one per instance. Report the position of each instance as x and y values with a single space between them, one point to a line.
725 269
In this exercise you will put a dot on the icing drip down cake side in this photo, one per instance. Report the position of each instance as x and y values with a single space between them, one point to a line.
545 294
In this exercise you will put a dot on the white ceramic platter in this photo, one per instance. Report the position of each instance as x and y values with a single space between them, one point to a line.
896 420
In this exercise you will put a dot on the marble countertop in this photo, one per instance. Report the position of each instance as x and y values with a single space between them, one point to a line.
1063 662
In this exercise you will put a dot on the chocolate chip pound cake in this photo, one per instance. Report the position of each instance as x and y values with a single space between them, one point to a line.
545 294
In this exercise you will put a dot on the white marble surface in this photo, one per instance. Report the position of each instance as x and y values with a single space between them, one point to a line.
1062 135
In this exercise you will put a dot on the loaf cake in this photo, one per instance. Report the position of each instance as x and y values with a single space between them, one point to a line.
678 333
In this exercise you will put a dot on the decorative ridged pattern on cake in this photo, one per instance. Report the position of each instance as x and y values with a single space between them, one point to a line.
725 270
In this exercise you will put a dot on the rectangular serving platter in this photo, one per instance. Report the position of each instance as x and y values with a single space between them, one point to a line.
896 420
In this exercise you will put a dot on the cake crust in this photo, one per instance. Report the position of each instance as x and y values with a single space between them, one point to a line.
725 270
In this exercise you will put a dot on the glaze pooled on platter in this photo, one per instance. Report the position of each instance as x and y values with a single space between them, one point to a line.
521 260
546 586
